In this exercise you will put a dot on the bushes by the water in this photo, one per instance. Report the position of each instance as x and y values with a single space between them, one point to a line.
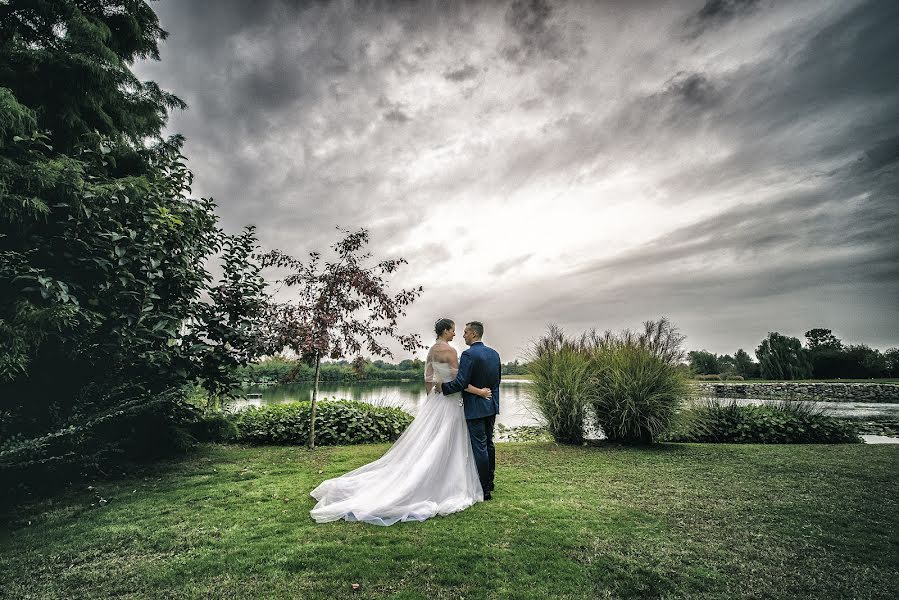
214 427
561 383
630 382
637 393
785 422
336 423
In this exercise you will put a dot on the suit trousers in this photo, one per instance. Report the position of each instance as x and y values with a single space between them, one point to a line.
480 431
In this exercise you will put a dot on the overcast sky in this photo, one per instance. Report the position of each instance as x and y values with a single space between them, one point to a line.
730 164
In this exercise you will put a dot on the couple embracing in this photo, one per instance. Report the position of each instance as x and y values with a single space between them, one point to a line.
445 460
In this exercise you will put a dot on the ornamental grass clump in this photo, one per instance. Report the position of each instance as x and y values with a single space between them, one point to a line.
561 381
638 386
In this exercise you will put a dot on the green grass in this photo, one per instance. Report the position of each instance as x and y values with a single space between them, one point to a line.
885 380
673 521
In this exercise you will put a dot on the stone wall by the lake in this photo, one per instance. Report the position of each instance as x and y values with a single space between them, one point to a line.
824 392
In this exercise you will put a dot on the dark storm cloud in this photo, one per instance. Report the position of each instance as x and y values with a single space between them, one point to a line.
715 12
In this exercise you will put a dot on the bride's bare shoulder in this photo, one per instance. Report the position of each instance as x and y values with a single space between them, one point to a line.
442 350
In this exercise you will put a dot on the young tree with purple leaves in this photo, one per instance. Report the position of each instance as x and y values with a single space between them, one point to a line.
343 307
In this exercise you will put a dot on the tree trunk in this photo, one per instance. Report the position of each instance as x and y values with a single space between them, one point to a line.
311 442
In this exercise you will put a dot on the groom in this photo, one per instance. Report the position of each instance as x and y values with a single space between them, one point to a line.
479 366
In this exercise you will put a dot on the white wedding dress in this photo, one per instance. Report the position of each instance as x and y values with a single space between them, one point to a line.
429 470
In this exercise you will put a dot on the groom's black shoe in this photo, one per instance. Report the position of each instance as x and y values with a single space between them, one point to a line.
487 496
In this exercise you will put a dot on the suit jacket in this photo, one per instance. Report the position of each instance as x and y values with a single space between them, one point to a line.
479 366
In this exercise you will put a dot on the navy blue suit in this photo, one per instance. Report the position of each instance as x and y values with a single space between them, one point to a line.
479 366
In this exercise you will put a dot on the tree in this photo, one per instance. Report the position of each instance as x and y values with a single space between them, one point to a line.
865 362
820 338
325 321
782 357
726 364
744 365
891 358
703 362
826 354
102 251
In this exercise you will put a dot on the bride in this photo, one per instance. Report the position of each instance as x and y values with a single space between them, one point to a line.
430 470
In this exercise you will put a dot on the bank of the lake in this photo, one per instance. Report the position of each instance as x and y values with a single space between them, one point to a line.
859 391
516 409
673 521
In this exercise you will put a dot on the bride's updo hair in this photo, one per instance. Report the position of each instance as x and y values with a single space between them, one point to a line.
442 325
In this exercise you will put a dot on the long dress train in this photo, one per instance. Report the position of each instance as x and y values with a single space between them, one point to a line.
429 470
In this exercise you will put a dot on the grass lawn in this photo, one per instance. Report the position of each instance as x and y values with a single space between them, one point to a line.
674 521
886 380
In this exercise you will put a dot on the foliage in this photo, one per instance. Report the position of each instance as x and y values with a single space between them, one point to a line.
523 433
864 361
712 377
213 426
637 393
105 299
135 428
283 370
891 358
561 384
704 363
830 358
744 365
782 422
632 381
876 425
514 368
343 305
782 357
336 422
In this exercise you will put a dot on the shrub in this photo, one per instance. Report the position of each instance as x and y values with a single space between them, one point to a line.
142 428
637 392
336 423
781 422
713 377
214 427
733 378
561 381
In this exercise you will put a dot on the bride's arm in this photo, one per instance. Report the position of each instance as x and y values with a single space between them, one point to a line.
429 376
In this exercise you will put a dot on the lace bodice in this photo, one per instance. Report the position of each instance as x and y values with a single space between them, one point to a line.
442 372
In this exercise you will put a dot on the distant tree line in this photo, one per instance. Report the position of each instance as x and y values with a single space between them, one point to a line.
286 370
278 369
824 356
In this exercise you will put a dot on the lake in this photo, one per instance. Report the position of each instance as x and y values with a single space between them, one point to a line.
514 401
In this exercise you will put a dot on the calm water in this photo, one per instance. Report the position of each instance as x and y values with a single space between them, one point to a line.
515 403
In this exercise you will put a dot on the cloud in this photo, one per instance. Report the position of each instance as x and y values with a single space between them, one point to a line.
716 12
396 115
503 267
462 73
733 165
